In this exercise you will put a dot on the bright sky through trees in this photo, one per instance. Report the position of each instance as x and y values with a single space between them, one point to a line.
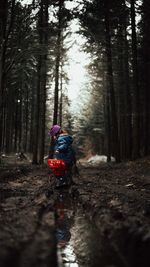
76 59
77 62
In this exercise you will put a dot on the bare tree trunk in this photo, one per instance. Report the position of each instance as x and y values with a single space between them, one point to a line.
115 138
124 105
20 121
26 122
9 121
40 108
61 99
108 128
36 115
136 96
121 93
146 76
4 35
57 64
106 110
32 108
3 23
43 80
16 125
128 107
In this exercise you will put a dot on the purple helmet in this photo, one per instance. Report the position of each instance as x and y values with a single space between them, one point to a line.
54 130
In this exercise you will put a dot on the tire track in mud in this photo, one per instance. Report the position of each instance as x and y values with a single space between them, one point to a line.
27 217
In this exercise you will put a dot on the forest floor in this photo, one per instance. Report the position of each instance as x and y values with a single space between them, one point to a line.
115 197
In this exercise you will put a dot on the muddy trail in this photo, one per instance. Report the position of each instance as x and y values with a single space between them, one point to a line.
102 220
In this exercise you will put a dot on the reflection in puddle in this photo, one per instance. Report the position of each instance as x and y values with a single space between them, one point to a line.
79 244
68 257
64 221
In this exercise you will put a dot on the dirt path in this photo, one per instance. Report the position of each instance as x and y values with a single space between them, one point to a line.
26 219
115 197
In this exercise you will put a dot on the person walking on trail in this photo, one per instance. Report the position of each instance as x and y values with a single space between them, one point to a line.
63 148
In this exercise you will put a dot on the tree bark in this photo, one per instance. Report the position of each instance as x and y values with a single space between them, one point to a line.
128 106
3 23
6 27
57 64
146 75
37 114
136 96
110 84
44 40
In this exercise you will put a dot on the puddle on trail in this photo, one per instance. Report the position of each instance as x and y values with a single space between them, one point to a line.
78 240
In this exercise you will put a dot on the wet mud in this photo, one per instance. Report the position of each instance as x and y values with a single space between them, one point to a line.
102 220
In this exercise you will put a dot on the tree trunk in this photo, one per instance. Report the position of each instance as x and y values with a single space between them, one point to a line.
3 23
146 76
128 107
124 113
26 121
43 79
36 114
32 108
121 93
57 64
6 27
108 128
61 99
136 96
110 85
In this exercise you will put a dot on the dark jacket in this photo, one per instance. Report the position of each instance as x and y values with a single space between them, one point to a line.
63 148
